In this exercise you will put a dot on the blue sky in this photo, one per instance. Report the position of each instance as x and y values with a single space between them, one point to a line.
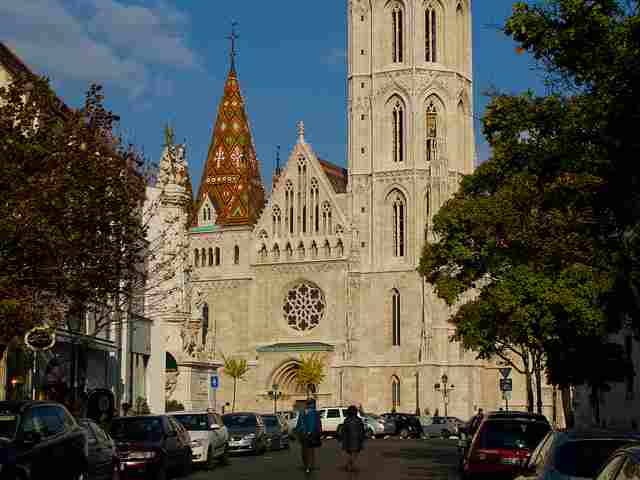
166 61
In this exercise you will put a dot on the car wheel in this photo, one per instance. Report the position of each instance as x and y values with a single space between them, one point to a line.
445 434
404 433
187 464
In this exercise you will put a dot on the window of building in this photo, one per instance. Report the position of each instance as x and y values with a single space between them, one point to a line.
398 132
395 316
315 205
395 392
289 200
431 132
277 220
276 252
289 251
431 35
236 255
210 257
196 257
205 323
304 306
217 255
327 222
203 255
397 32
398 212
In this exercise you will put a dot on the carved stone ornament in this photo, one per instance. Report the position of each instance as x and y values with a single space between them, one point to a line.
171 382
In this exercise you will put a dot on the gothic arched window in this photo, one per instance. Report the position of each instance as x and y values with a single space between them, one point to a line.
431 34
277 220
289 200
196 257
395 392
218 259
398 217
236 255
203 255
397 32
205 323
302 194
315 205
340 249
263 253
210 256
289 250
276 252
395 317
326 218
314 250
398 132
431 132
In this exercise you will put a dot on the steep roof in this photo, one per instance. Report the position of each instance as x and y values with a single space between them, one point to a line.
231 175
12 62
337 175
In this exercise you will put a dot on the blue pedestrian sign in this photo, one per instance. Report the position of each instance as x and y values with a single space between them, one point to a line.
215 382
506 385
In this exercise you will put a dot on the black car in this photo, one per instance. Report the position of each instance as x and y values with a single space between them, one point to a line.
623 464
407 424
276 432
154 445
246 432
37 436
103 458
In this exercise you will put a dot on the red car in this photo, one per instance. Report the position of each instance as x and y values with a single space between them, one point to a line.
503 443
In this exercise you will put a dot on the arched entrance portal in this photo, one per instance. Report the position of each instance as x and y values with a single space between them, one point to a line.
285 376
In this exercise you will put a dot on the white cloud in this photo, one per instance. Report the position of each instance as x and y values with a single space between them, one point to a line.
115 44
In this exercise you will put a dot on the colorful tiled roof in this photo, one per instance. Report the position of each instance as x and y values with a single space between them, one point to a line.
338 176
231 175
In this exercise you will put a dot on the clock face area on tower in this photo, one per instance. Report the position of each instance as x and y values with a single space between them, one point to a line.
231 176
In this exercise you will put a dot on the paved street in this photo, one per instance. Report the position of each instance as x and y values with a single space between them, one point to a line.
390 459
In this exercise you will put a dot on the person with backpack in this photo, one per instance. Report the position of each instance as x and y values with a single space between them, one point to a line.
352 435
309 430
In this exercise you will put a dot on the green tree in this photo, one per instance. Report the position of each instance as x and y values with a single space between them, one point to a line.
70 191
237 369
311 373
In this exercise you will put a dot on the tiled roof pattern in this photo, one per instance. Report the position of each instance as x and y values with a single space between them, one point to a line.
338 176
231 175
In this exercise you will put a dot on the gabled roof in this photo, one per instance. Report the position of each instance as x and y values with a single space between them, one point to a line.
231 175
337 175
12 62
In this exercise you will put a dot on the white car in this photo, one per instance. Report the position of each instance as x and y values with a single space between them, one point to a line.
209 436
332 417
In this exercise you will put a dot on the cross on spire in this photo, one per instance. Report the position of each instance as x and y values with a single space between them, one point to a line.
233 37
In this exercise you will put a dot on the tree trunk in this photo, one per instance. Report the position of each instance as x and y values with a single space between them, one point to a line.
233 405
567 407
529 380
538 374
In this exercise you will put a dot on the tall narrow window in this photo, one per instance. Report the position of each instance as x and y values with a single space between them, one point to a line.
396 20
430 37
210 256
236 255
277 220
196 257
205 323
398 132
218 260
276 252
203 255
395 393
398 223
326 218
431 132
395 316
289 201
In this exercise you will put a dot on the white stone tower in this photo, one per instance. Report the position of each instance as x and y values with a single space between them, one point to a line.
410 119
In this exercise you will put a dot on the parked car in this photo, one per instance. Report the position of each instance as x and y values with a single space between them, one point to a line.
378 426
407 425
36 435
153 445
503 443
331 418
624 464
276 432
209 436
102 460
574 454
246 432
443 427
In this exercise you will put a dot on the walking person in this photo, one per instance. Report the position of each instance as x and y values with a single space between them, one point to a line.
352 437
309 430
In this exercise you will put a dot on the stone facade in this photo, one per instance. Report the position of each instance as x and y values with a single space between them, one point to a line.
330 264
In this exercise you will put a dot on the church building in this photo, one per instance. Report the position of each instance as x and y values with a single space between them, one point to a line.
326 263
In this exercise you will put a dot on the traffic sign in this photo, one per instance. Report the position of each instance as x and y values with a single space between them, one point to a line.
506 384
215 382
505 372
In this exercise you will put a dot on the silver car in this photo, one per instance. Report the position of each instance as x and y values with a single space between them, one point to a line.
378 426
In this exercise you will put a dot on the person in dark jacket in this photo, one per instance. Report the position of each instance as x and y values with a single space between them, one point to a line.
309 430
352 437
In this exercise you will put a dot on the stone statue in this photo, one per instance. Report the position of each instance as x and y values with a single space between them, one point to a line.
188 339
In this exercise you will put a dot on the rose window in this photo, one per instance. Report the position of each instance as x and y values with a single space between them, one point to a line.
304 306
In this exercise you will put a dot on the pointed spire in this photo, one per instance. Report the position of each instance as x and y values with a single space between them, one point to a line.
231 176
301 131
233 37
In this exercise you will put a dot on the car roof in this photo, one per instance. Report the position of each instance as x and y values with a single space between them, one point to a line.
20 405
194 412
242 413
597 434
138 417
516 414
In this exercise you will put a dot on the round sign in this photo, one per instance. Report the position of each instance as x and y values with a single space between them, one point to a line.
40 338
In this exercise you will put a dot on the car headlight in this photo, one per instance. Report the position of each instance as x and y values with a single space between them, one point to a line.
196 443
249 436
141 455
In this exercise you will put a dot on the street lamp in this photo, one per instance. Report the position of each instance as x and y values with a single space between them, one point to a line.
275 394
444 388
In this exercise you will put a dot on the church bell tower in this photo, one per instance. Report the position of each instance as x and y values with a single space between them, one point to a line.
410 135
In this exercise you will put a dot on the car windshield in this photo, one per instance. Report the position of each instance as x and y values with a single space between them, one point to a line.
583 458
512 434
137 429
239 421
271 422
195 422
8 425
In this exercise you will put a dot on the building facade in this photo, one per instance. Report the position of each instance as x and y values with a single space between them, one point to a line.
327 263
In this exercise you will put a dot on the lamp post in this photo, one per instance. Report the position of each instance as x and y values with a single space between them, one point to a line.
445 389
275 394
